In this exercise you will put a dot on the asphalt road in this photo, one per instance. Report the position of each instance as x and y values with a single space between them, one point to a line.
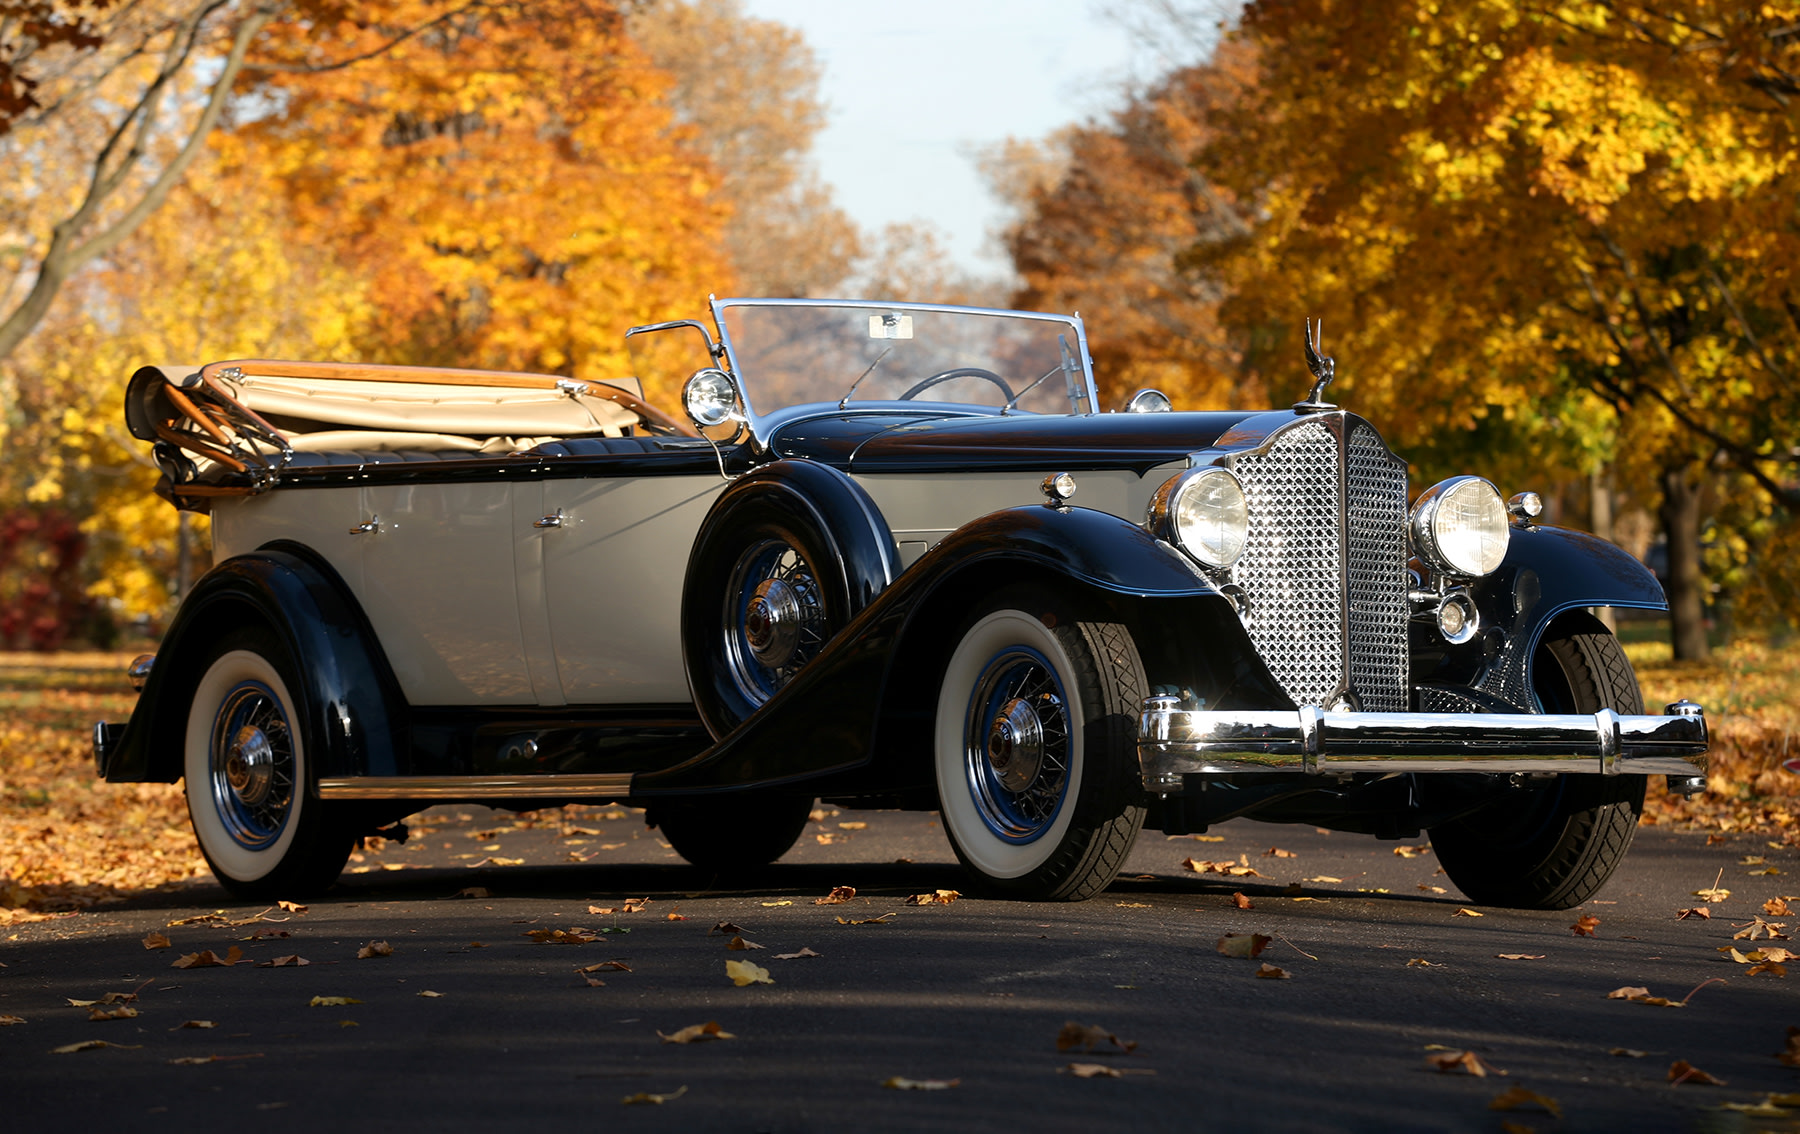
974 991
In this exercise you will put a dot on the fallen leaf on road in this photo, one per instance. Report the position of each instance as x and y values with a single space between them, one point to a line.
1777 907
1520 956
1466 912
1713 894
1088 1037
207 959
332 1001
730 927
1628 1052
1764 870
698 1033
1760 928
1271 972
1518 1098
1131 905
1769 967
429 994
1704 913
1433 889
1585 925
774 905
292 960
1681 1071
1241 902
1751 860
292 907
882 920
1093 1071
155 940
1465 1061
801 955
1241 869
739 944
899 1084
1324 878
1422 963
1243 944
1277 852
1411 852
196 1024
1642 995
935 898
90 1045
643 1098
202 919
852 826
673 916
8 1021
838 896
575 935
200 1060
605 966
375 949
744 973
121 1012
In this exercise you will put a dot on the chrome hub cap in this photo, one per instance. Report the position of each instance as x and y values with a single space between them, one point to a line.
774 619
1017 745
252 765
772 623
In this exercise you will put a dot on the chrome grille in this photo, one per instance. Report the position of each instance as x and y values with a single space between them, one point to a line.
1289 569
1296 563
1375 484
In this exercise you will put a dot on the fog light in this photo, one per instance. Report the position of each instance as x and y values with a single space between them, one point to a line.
1457 618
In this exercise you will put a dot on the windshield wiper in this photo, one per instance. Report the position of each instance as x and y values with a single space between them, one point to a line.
1058 369
869 371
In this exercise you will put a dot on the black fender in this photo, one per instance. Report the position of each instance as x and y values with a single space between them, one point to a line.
355 725
823 725
1548 572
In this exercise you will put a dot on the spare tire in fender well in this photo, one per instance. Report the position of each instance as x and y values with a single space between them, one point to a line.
358 711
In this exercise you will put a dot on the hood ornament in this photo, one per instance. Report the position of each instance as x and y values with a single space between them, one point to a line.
1323 367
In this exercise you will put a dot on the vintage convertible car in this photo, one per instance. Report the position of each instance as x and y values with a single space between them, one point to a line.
855 569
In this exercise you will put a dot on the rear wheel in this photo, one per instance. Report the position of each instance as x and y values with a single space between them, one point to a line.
1553 846
245 765
1035 749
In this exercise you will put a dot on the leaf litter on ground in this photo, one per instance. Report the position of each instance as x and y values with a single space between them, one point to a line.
743 973
698 1033
1088 1037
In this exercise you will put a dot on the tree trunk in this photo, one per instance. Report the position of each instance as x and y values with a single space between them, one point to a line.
1680 512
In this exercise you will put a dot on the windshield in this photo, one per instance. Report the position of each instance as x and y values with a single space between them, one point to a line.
792 352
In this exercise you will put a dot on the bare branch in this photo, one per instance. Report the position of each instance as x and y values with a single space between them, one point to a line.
1744 326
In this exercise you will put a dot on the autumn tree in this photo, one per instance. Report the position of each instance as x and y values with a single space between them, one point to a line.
1534 216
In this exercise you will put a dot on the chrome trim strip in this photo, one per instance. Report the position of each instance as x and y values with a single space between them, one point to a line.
1173 743
602 785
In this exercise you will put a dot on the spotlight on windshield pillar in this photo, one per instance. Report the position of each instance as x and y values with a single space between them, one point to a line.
1059 487
1527 506
1149 401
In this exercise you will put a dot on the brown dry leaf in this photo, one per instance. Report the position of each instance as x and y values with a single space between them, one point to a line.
1760 928
1585 925
1277 852
1777 907
291 907
217 918
1241 902
496 860
121 1012
1466 912
1093 1071
634 905
154 940
741 945
730 927
1433 889
643 1098
472 892
8 1021
1324 878
1628 1052
1465 1061
1241 869
1245 945
673 916
1764 870
1267 971
838 896
1520 956
90 1045
207 959
1769 967
698 1033
1704 913
1681 1071
575 935
429 994
1791 1056
291 961
743 973
1089 1036
375 949
899 1084
775 905
852 826
332 1001
1713 894
1518 1098
197 1024
1411 852
605 966
1131 905
935 898
1422 963
1751 860
882 920
801 955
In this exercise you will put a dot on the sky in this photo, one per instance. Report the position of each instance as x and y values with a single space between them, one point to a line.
915 88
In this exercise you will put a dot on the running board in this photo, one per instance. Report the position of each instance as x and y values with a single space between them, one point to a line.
611 785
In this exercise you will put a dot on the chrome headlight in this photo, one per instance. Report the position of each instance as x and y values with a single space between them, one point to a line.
1203 512
1459 527
710 398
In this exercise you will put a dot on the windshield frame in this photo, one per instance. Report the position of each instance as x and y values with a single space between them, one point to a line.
764 422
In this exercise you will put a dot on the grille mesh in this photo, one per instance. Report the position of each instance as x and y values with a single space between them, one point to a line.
1289 568
1376 484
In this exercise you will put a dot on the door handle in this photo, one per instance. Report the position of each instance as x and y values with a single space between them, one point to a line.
372 524
554 520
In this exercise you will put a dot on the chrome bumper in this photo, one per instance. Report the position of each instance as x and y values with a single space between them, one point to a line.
1175 742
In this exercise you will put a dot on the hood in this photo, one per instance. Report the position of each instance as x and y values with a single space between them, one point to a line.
919 442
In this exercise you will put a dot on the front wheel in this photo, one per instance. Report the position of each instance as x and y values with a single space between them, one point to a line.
732 832
1035 749
245 767
1552 846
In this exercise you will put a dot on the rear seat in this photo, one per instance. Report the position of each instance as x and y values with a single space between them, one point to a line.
596 446
569 447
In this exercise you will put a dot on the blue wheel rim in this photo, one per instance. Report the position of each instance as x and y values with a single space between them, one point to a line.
766 564
1014 675
251 764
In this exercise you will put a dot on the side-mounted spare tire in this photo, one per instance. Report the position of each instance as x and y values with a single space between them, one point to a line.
787 556
1552 846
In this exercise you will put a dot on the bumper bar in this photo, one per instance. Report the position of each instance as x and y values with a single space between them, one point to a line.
1174 742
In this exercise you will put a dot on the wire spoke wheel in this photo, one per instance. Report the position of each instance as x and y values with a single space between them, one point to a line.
1017 745
773 618
252 765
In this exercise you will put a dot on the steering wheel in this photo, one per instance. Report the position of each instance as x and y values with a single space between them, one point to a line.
943 376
